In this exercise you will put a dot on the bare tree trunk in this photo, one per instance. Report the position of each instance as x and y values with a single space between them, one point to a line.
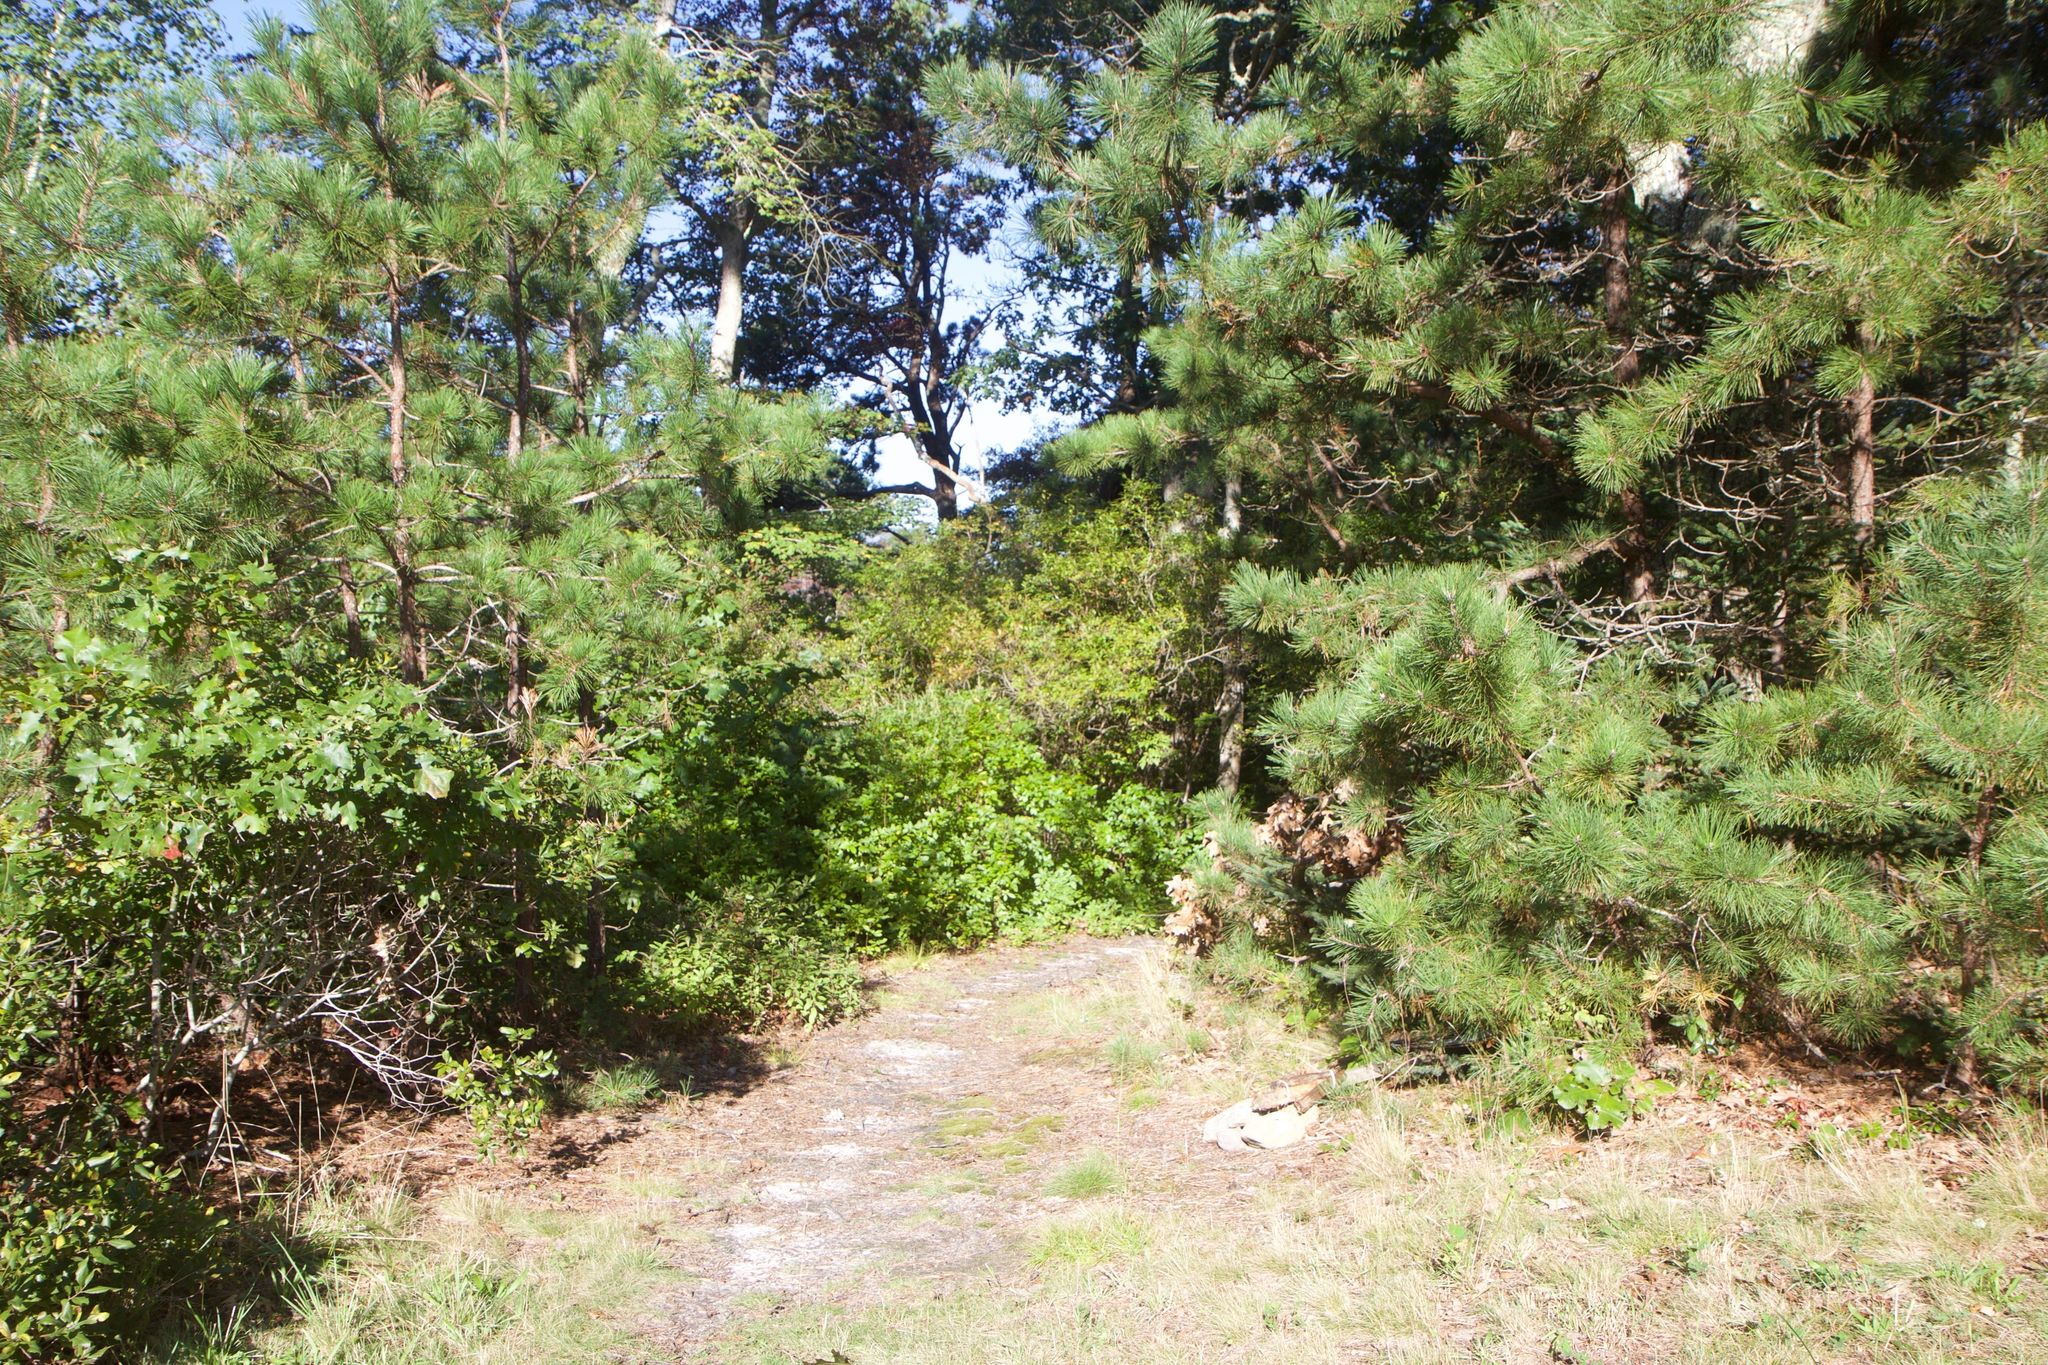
522 354
589 728
39 139
945 495
574 372
1230 704
736 230
725 322
60 621
1230 726
1617 300
351 611
1128 396
932 431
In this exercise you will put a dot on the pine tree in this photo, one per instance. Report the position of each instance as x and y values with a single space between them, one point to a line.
1923 753
1548 888
374 349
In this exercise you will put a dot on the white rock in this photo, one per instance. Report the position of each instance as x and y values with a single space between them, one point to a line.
1280 1128
1227 1121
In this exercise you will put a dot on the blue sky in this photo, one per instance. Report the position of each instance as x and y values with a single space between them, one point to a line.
987 429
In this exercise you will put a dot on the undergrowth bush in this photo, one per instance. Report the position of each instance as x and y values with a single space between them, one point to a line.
96 1232
755 952
959 829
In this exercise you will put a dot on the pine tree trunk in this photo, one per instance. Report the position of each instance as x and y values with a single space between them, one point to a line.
1970 954
60 621
1230 723
1230 703
412 658
1861 493
588 729
351 611
1128 396
1617 300
522 354
573 371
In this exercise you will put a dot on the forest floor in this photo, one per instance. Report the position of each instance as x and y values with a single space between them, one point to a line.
1001 1161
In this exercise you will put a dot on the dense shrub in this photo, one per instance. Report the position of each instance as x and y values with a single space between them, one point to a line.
247 844
789 843
754 952
958 829
95 1233
1922 754
1092 623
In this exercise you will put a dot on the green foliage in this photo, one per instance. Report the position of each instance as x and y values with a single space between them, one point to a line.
502 1089
418 651
1071 615
1602 1095
235 830
758 952
1555 886
95 1231
1921 748
959 829
1585 853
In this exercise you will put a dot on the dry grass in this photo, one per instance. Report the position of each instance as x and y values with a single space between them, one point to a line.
1413 1236
1405 1233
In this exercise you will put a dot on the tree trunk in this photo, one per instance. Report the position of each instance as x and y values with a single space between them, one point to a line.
725 322
737 228
412 657
1861 493
588 730
1127 325
351 611
1639 569
522 354
945 496
519 693
1230 703
1230 725
1970 954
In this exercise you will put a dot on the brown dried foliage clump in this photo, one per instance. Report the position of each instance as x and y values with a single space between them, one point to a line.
1309 831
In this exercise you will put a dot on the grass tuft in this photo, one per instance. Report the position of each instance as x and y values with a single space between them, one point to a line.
1090 1241
618 1087
1133 1059
1093 1176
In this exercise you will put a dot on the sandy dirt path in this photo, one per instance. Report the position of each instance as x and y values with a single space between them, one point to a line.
911 1145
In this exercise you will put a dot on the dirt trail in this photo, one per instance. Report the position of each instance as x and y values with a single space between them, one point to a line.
837 1147
1002 1162
879 1153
